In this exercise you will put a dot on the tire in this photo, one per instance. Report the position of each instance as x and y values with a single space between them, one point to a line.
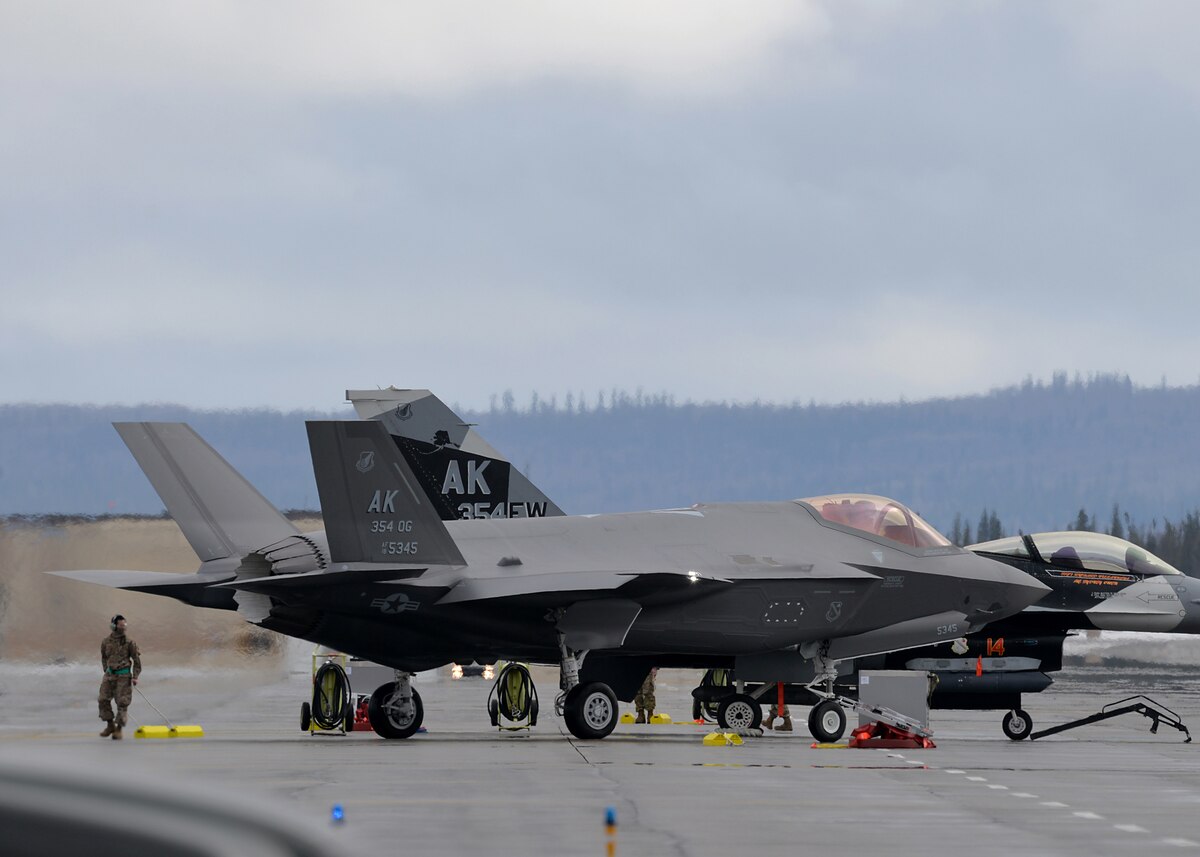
305 716
384 720
739 712
1017 725
590 711
351 709
494 712
827 722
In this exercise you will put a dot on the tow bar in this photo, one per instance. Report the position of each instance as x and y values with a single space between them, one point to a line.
1143 705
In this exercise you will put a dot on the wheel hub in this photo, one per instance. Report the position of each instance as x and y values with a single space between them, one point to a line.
739 715
597 710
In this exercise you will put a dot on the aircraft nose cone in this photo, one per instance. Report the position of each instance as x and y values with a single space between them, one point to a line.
1003 591
1025 589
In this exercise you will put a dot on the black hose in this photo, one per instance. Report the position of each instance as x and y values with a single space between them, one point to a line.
514 693
331 696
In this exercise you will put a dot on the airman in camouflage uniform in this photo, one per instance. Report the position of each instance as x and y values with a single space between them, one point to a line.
644 700
122 663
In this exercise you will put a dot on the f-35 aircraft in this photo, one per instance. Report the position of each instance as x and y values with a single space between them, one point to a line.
780 591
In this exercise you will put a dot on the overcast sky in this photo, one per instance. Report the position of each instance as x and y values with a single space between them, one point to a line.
240 203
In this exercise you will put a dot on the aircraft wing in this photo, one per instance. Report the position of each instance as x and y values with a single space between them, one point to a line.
643 585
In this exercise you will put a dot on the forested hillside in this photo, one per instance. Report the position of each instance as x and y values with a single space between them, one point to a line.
1032 455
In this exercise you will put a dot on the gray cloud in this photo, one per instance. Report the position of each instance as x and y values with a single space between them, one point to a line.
830 201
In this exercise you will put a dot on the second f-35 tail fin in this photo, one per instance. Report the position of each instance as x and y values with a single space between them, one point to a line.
374 509
461 473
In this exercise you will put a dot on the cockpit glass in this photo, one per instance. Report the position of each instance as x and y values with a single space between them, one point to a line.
1098 552
878 516
1011 546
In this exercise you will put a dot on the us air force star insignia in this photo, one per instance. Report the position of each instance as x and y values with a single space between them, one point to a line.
395 603
366 461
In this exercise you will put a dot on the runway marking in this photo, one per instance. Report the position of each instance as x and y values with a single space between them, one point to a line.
954 771
998 787
1180 843
977 779
1055 804
913 762
1091 816
1131 828
1023 794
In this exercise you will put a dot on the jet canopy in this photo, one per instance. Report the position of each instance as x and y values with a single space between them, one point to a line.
877 516
1082 550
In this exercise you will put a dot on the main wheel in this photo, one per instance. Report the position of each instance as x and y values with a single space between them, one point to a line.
305 716
827 721
739 712
386 717
351 710
1017 725
590 711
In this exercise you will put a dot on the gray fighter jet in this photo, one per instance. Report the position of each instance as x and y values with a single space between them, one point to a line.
780 591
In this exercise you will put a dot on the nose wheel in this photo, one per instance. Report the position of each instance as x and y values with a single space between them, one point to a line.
827 722
1017 724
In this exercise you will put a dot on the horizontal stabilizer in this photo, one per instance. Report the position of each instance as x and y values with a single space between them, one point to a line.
219 512
194 589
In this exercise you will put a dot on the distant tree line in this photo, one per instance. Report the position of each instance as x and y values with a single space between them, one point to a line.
1027 452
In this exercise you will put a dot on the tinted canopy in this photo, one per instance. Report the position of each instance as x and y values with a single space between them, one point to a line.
877 516
1080 550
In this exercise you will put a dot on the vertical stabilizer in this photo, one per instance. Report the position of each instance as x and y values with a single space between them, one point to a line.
374 508
460 472
219 512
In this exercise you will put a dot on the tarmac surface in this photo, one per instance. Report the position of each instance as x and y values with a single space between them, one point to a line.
462 788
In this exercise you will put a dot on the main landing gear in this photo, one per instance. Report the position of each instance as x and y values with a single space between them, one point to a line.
395 709
589 710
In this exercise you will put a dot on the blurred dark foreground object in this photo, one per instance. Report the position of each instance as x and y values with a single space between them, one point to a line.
50 807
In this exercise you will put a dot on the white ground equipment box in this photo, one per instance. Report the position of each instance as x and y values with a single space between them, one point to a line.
903 691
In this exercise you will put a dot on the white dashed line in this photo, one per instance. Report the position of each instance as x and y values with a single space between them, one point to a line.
1023 794
1181 843
913 762
1091 816
998 787
1131 828
977 779
954 771
1054 804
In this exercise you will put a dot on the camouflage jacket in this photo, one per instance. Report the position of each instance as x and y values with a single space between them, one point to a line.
118 652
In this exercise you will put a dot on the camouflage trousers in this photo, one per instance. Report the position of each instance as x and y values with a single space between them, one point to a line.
644 701
120 688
